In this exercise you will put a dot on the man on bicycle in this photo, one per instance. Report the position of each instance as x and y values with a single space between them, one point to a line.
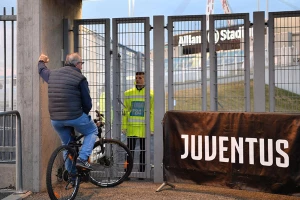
70 103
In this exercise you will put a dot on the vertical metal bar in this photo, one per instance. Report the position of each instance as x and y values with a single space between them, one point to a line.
259 61
4 34
125 65
159 94
116 77
171 98
5 84
12 61
247 63
213 67
107 74
12 74
147 29
271 63
19 176
203 63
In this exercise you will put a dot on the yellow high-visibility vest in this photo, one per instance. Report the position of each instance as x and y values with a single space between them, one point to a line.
134 113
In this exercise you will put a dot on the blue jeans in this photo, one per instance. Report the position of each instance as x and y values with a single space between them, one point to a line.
84 125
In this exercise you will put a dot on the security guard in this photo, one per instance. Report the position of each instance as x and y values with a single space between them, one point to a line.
134 116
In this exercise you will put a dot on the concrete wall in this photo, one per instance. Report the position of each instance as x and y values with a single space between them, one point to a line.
40 30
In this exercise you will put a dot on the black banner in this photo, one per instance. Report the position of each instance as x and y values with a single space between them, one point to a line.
239 150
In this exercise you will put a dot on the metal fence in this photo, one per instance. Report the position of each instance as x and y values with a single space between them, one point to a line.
7 86
284 54
199 75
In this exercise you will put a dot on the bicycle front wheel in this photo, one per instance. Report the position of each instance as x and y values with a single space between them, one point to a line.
61 179
111 161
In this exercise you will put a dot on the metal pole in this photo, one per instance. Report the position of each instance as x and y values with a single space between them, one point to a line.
171 98
259 61
12 61
203 62
267 7
107 75
213 66
4 34
271 62
159 97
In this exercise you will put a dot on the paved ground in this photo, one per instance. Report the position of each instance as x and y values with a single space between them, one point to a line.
144 190
4 193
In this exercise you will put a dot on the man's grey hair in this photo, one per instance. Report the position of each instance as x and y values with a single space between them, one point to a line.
72 59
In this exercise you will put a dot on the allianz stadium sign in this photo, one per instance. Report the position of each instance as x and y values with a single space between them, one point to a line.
220 35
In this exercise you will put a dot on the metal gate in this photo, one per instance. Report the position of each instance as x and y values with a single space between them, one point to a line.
284 61
196 72
131 54
130 50
187 69
229 62
92 41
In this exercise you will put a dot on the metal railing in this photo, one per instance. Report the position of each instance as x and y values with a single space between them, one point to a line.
19 179
7 63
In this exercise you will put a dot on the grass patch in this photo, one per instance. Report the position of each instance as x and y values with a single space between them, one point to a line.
231 98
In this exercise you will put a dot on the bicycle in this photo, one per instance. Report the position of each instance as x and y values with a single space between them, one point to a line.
111 162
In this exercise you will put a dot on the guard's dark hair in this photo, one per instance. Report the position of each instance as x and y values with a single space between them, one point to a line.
140 73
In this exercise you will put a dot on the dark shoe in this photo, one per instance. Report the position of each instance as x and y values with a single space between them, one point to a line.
141 179
83 164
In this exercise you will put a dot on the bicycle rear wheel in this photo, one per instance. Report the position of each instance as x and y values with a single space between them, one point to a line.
112 165
60 183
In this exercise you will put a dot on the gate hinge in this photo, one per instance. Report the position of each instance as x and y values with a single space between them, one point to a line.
267 23
166 27
151 28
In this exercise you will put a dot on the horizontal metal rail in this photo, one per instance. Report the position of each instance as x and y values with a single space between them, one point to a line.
8 17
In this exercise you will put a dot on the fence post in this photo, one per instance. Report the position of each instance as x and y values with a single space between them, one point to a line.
159 97
259 61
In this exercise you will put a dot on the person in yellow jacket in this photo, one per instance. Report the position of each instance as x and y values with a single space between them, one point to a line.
134 115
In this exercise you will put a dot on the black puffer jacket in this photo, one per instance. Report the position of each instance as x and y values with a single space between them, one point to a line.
64 94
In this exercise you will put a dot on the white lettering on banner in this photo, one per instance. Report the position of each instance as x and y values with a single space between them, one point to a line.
282 153
236 147
186 40
214 150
